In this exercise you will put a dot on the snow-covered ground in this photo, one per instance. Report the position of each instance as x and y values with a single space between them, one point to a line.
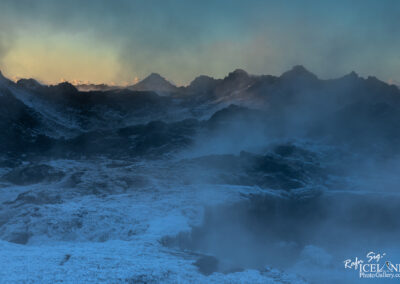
105 220
104 228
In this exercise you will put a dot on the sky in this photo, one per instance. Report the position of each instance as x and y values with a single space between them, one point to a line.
121 41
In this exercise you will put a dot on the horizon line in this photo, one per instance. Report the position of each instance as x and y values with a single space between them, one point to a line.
136 80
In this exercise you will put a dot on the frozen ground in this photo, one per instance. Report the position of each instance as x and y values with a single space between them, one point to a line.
67 234
105 221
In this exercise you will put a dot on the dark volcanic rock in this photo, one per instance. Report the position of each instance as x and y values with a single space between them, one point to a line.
31 174
21 238
30 84
61 121
154 82
293 168
235 114
207 264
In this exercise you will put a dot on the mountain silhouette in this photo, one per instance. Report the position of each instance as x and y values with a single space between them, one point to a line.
154 82
299 72
36 115
4 81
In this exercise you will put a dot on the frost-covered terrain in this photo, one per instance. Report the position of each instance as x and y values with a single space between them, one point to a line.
246 179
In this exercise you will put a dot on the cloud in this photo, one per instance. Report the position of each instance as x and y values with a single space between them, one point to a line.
182 39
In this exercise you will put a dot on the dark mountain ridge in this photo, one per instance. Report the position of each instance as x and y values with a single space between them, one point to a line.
295 104
154 82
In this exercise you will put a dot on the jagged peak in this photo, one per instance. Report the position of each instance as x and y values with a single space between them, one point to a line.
66 87
155 76
28 83
202 79
238 73
374 81
154 82
351 75
299 71
202 84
